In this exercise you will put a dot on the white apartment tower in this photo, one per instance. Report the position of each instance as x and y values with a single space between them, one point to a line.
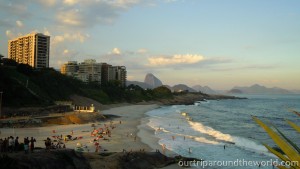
32 49
89 71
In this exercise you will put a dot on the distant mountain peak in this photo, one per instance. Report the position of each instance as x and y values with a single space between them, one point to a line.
259 89
152 81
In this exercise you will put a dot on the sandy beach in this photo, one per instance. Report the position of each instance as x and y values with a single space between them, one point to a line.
129 132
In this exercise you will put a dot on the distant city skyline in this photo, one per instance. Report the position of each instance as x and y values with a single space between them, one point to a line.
220 44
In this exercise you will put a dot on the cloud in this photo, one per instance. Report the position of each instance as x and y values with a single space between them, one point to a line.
10 34
70 18
70 2
47 3
116 51
66 51
72 37
142 51
248 67
175 59
80 13
46 32
19 23
16 8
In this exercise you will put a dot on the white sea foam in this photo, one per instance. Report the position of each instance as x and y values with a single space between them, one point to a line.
210 131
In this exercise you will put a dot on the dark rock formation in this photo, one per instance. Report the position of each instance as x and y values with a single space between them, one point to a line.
44 160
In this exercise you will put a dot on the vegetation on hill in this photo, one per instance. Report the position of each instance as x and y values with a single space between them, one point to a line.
24 86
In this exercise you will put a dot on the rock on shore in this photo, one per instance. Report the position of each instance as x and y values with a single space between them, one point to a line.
74 160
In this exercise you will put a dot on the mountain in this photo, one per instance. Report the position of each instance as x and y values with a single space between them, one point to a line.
182 87
141 84
152 81
235 91
258 89
204 89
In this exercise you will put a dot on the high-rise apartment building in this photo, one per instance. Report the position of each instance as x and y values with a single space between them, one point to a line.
118 73
89 71
70 68
105 73
32 49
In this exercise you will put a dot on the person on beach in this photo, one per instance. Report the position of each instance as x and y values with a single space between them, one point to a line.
164 148
11 144
224 147
17 144
173 138
1 145
26 145
32 140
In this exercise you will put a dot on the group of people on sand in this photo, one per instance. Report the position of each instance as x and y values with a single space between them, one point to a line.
11 144
100 133
55 144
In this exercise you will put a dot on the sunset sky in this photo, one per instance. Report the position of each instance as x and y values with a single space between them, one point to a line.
219 43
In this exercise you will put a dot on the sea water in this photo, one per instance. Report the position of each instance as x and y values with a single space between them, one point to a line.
202 130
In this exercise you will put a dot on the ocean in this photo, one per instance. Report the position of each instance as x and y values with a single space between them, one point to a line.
222 132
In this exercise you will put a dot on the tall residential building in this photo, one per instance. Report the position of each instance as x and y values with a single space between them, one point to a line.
105 72
32 49
70 68
118 73
89 71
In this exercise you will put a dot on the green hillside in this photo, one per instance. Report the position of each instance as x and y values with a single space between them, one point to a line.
24 86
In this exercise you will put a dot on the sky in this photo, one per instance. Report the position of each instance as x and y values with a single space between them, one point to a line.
215 43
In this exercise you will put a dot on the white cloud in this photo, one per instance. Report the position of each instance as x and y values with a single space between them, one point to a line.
70 37
58 39
66 51
47 3
116 51
46 32
70 17
19 23
10 34
70 2
81 13
175 59
142 51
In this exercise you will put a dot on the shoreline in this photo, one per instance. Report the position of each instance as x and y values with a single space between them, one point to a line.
131 133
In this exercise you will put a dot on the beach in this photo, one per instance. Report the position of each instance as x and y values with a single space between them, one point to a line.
129 133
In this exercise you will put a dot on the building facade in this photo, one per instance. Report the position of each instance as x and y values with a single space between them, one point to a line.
70 68
118 73
91 71
32 49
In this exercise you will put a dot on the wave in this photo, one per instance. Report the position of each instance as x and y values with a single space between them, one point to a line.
248 144
210 131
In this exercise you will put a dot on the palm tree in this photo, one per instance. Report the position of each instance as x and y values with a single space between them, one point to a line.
290 151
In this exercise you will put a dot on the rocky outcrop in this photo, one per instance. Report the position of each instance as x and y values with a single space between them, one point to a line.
44 160
181 88
191 98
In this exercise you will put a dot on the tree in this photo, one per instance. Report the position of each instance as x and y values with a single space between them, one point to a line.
162 92
290 153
